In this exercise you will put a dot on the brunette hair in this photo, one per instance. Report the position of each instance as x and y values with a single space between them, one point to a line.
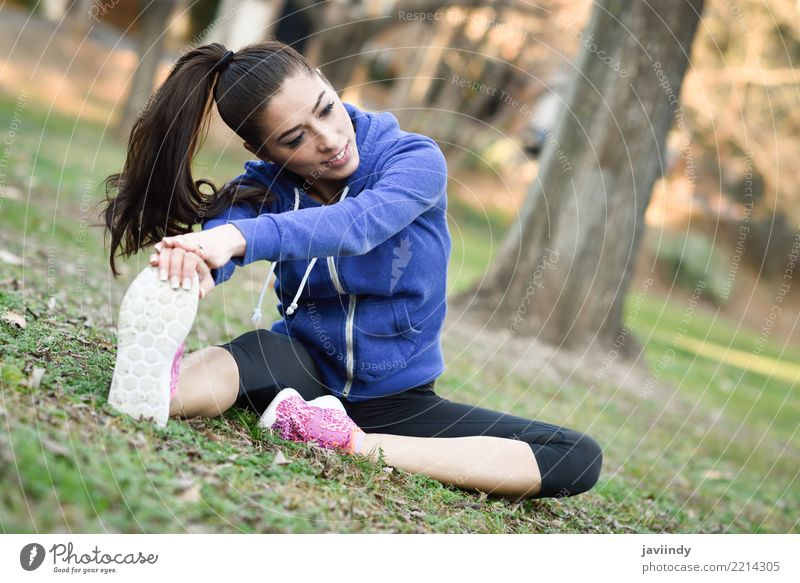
156 195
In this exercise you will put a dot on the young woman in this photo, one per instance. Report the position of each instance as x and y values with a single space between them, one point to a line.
351 212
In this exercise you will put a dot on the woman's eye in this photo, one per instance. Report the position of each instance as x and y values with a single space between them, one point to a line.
296 141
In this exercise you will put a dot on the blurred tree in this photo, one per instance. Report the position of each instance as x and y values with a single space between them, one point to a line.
741 102
342 27
239 23
154 19
202 14
565 265
505 46
294 26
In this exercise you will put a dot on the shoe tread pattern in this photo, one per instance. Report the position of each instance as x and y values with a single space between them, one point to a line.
154 320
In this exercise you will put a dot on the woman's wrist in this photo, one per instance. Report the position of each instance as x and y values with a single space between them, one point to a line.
237 241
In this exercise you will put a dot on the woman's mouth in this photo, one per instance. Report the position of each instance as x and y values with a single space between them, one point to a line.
340 159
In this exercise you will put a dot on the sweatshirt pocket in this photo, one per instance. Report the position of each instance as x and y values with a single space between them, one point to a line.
384 339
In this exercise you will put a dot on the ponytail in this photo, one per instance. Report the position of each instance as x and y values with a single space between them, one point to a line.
156 196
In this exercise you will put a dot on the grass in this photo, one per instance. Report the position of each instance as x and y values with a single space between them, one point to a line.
710 449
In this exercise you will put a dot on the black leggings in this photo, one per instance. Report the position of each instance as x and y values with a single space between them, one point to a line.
569 461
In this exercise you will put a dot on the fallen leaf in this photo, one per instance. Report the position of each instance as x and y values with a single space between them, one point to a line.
10 258
12 193
280 459
716 475
191 494
138 440
12 283
36 377
55 447
15 319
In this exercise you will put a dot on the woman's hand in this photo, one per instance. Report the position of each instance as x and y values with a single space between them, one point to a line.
215 246
178 265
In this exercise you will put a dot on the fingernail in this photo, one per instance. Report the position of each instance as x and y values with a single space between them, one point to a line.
202 293
153 258
158 247
187 284
163 275
173 281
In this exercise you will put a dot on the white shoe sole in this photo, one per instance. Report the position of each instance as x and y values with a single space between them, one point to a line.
270 415
154 320
328 402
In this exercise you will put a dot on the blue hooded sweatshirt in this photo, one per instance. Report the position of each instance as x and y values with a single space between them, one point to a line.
371 310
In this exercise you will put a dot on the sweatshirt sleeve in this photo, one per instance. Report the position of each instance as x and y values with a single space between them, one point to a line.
412 180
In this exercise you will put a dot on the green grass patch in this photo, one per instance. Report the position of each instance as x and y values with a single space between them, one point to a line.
711 450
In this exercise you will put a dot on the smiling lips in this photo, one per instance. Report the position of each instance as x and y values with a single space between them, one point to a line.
339 158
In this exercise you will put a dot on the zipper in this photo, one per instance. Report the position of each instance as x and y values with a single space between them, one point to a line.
335 276
351 311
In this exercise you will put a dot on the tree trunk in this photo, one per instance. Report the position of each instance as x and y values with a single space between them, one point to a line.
341 29
422 60
564 267
154 18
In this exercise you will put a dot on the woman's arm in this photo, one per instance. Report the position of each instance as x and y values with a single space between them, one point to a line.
220 245
413 180
236 212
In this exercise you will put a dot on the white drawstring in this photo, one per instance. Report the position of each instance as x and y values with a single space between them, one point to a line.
257 310
293 306
290 310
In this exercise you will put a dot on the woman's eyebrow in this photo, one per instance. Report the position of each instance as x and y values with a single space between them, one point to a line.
313 110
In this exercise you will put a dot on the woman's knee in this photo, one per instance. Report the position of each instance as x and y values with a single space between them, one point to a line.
207 383
569 461
588 462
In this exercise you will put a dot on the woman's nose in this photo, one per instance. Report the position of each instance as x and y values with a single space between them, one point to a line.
329 142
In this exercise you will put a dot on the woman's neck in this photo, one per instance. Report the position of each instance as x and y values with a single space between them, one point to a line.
324 191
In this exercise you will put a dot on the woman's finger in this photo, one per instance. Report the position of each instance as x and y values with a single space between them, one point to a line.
190 269
193 247
163 264
175 267
206 280
184 243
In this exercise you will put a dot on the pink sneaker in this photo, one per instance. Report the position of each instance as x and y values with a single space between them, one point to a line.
296 420
176 368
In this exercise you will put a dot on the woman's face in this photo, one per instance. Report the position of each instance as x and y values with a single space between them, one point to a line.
308 130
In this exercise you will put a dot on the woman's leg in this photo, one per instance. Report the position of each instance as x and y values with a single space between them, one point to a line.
247 372
477 448
490 464
208 384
